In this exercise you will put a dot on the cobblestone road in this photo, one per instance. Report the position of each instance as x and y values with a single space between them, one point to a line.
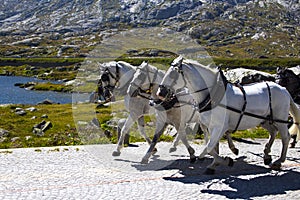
90 172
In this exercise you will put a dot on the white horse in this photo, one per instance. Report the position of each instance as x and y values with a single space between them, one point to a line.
225 108
178 111
118 75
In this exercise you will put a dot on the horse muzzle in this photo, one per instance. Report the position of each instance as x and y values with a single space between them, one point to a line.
163 92
107 92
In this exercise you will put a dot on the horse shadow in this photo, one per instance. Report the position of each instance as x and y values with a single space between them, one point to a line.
244 179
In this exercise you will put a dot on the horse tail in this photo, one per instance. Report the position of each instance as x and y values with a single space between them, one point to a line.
295 112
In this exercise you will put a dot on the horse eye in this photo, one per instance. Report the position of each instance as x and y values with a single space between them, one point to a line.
105 77
173 74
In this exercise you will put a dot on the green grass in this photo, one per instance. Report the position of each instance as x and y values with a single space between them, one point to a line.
52 87
40 60
66 132
63 131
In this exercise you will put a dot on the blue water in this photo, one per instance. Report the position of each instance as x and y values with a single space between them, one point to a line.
10 94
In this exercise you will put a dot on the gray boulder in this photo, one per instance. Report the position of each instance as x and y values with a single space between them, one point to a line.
3 133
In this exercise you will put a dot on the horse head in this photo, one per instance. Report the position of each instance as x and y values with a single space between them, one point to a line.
144 80
110 75
288 79
173 80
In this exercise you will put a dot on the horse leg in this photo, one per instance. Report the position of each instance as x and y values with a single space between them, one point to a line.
216 134
285 138
175 143
160 126
121 123
125 130
217 160
205 132
273 131
294 142
230 143
141 127
182 134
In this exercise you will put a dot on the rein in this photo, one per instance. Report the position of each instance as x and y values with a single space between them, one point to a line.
140 91
117 78
170 104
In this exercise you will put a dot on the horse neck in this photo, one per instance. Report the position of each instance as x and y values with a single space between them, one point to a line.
198 78
185 97
126 75
157 81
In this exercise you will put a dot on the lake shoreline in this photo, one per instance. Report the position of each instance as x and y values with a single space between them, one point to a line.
11 94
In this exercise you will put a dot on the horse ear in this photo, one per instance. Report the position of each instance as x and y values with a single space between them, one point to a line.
144 63
177 61
279 69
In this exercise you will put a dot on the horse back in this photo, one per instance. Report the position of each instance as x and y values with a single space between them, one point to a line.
259 97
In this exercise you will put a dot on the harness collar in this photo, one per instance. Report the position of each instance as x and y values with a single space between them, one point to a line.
216 94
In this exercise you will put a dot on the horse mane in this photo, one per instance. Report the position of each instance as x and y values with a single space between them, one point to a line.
197 64
126 65
152 67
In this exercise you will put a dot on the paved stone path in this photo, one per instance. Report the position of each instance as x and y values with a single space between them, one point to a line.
90 172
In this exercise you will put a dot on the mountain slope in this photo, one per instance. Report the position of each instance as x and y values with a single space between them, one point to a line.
251 28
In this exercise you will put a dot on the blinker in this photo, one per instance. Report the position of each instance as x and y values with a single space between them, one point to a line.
105 77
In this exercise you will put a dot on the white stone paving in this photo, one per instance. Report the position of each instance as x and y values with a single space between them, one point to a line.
90 172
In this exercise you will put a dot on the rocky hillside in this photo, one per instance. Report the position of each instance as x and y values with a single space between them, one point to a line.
230 28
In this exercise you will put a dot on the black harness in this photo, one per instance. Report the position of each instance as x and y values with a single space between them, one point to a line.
165 105
213 99
105 77
145 93
242 112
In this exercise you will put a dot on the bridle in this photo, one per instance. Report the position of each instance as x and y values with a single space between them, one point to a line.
144 93
211 100
174 75
107 74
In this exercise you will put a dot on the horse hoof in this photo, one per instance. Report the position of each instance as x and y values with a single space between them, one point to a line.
275 166
144 161
268 160
201 159
235 151
172 149
193 159
209 171
292 145
230 162
116 153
